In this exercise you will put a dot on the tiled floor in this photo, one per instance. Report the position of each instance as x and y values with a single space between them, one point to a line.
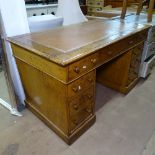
124 126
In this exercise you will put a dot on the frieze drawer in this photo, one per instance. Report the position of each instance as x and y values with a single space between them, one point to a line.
82 66
104 55
76 87
109 52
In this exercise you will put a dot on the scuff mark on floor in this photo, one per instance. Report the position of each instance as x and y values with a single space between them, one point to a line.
11 149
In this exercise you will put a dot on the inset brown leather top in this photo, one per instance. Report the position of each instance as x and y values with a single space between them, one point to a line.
67 44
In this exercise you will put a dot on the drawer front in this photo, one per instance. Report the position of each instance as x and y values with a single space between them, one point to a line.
105 54
76 87
80 67
81 108
137 38
111 51
83 101
135 63
132 76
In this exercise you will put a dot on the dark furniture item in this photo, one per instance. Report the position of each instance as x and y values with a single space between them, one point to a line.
119 3
84 9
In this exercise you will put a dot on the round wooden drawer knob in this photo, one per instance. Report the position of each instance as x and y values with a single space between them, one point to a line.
88 110
90 96
76 69
76 89
75 106
90 80
109 52
131 42
93 61
75 122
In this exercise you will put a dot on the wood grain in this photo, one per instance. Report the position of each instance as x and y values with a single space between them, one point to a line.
60 86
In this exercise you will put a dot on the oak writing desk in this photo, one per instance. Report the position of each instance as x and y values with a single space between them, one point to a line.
58 70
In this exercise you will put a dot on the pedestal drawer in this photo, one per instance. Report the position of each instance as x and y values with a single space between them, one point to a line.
135 63
82 83
81 108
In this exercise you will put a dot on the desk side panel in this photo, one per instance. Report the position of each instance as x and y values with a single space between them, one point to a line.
46 97
42 64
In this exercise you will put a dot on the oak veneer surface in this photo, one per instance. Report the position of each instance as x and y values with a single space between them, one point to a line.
67 44
58 70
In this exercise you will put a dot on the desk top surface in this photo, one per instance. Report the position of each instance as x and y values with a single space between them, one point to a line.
67 44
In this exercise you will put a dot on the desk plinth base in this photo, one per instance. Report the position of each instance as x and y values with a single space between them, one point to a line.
68 139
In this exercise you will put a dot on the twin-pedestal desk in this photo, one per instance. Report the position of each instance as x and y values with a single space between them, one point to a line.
59 69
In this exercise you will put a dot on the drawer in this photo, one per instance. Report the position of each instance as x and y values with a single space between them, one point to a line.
76 87
79 119
135 39
82 102
105 54
136 55
123 45
82 66
81 108
131 77
135 63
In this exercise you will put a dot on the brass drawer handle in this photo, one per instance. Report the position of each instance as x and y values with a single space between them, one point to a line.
131 42
89 96
77 89
90 80
76 69
109 52
93 61
75 122
75 106
88 110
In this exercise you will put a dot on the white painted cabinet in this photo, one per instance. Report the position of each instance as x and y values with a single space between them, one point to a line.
52 10
36 10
